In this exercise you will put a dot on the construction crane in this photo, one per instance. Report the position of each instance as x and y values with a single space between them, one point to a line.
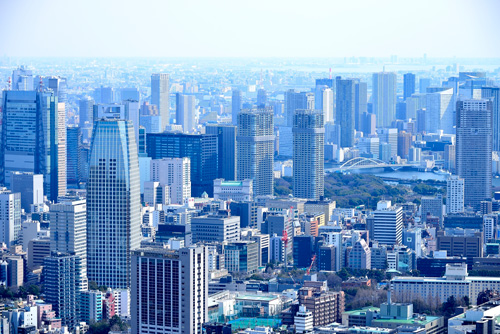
285 241
293 280
312 262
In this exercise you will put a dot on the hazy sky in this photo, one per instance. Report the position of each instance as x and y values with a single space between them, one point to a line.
250 28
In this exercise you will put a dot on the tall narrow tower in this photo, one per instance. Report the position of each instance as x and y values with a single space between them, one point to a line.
113 203
308 154
160 90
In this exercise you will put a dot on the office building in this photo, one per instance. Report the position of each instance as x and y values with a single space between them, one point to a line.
423 84
408 85
236 103
242 257
346 113
38 250
86 116
105 95
468 245
200 149
440 111
304 248
131 94
185 112
360 256
255 145
450 161
308 154
432 206
179 301
240 191
29 116
174 173
384 97
388 223
261 98
62 286
368 124
404 144
493 94
473 149
22 79
128 110
297 100
10 216
30 186
113 203
215 228
68 230
360 103
160 91
73 147
91 303
455 193
456 282
303 321
389 136
326 307
226 143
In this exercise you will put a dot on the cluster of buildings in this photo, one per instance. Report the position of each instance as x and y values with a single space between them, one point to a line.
169 220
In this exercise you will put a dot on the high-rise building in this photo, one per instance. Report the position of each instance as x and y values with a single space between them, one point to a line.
255 144
493 94
30 186
169 290
200 149
132 94
360 256
384 97
236 102
404 144
346 111
22 79
215 228
174 173
368 124
323 100
68 230
308 154
73 147
423 84
10 216
388 223
33 139
473 149
128 110
242 256
389 136
440 112
113 203
185 112
296 100
105 95
432 206
86 117
261 98
450 160
360 103
62 286
226 142
454 194
408 85
160 90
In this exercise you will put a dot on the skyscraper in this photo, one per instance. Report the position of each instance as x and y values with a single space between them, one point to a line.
30 186
473 149
346 94
255 145
22 79
236 102
86 115
68 231
296 100
440 112
62 286
33 139
360 103
200 149
226 142
73 147
174 173
388 223
160 90
185 112
113 203
261 98
384 97
454 194
493 94
10 216
169 290
308 154
408 85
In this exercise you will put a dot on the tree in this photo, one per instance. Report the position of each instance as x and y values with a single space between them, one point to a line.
448 307
344 274
485 296
93 285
